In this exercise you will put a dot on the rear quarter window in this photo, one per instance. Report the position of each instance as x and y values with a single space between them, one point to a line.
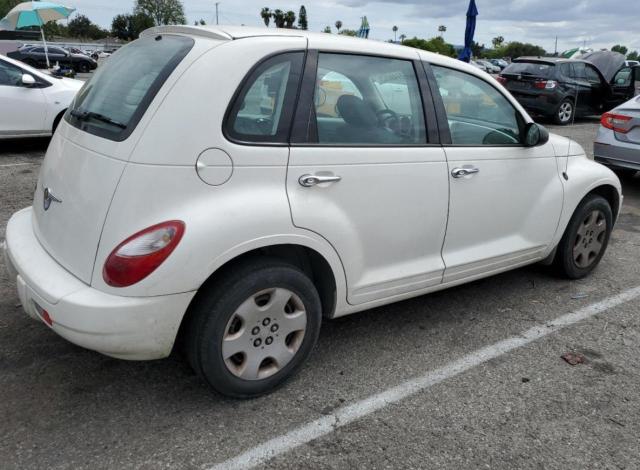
112 103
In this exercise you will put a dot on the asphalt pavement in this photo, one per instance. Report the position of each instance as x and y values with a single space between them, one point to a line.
471 377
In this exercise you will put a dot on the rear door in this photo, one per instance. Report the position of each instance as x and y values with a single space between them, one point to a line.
581 88
505 199
364 175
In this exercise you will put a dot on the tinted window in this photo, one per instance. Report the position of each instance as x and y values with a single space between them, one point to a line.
478 114
10 75
566 70
123 87
39 50
262 112
368 101
533 69
579 71
623 77
592 75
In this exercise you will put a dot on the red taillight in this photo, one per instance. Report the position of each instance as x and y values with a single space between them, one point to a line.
545 84
501 80
140 254
616 122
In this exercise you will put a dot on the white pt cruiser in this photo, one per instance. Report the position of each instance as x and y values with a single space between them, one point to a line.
232 187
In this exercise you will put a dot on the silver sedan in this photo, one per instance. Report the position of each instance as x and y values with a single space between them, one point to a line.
617 144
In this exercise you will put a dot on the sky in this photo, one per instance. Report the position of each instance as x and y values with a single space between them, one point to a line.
594 23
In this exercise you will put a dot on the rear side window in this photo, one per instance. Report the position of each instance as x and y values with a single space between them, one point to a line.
10 75
263 108
478 114
533 69
113 102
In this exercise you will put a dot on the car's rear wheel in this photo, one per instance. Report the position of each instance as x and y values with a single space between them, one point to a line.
253 330
586 238
565 112
84 67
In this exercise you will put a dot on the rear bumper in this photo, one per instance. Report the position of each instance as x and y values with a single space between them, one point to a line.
619 156
542 104
136 328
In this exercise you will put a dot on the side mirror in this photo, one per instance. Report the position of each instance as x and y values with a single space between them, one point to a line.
28 80
535 135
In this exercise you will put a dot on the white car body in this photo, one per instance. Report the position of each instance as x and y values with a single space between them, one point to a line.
396 226
33 110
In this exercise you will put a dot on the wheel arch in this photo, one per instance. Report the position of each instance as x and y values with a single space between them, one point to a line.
610 193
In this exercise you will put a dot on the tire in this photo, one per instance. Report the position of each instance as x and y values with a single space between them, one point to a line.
565 113
269 352
84 67
586 238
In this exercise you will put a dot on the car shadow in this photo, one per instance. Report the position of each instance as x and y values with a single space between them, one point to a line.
21 146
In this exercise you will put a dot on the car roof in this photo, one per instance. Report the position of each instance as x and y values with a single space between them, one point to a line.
547 60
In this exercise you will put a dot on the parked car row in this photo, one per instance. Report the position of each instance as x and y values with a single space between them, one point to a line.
274 211
36 57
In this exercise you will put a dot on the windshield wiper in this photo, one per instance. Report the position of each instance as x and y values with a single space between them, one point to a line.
84 115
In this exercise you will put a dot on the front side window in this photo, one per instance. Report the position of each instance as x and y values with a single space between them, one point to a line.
112 103
10 75
623 77
361 100
478 114
263 109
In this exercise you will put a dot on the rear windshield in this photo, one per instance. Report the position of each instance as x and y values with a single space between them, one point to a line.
115 99
534 69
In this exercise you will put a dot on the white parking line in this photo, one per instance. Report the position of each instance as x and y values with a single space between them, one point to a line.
360 409
18 164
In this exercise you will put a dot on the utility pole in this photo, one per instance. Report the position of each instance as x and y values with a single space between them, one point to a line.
555 53
217 3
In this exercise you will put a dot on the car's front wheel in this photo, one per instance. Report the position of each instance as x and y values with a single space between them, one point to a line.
586 238
565 112
84 67
253 330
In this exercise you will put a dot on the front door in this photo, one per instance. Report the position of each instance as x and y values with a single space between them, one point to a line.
367 180
505 199
23 107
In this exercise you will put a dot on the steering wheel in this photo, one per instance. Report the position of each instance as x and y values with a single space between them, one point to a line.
387 118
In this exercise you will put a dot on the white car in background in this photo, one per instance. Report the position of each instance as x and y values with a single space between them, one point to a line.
32 102
207 187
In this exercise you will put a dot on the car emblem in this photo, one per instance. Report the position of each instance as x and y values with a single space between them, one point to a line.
48 199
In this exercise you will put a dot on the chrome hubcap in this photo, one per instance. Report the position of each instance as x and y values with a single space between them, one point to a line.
264 334
589 239
565 111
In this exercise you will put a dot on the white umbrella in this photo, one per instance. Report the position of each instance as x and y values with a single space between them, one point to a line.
35 14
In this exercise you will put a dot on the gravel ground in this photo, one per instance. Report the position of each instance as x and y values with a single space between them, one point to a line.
65 407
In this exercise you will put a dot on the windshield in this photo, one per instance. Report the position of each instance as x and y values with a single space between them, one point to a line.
111 104
533 69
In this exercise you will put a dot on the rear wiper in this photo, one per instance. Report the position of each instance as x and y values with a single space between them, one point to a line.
84 115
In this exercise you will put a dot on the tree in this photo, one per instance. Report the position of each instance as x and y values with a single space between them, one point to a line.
265 14
436 44
327 29
129 27
289 19
442 29
162 12
338 26
395 32
278 18
402 38
621 49
302 18
518 49
349 32
497 42
82 27
6 6
633 56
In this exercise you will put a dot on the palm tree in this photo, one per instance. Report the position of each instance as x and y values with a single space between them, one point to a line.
442 29
265 14
289 19
278 18
402 38
338 25
395 31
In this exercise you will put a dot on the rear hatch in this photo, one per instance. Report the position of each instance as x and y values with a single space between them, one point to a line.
89 152
527 78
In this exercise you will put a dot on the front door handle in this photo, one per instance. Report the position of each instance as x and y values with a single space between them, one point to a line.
311 180
461 172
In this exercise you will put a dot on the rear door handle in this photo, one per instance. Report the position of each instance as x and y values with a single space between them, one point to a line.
311 180
461 172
